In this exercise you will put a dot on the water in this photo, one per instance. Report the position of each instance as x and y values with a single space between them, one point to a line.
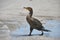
53 25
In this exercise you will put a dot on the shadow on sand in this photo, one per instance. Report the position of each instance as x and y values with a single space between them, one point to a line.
27 35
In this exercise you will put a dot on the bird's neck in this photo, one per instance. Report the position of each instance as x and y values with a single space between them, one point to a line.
31 13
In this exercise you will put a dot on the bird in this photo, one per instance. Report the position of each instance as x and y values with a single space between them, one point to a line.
33 22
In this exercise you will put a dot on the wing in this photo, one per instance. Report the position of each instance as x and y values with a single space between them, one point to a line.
36 22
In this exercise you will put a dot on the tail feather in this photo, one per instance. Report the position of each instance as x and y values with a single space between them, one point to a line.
46 30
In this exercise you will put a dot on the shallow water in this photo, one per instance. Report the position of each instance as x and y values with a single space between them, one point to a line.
53 25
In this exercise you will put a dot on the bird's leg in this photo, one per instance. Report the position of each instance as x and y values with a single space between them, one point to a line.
42 33
31 29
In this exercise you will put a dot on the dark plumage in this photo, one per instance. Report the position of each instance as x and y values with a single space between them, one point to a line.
34 23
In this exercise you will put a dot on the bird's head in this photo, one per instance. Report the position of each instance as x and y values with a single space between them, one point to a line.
28 8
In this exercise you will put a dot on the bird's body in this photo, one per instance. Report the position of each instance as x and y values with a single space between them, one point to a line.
33 22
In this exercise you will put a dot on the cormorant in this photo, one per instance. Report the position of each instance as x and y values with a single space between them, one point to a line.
34 23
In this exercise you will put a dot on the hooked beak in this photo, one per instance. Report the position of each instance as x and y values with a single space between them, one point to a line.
25 8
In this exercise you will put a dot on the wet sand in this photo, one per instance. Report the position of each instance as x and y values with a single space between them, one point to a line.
29 38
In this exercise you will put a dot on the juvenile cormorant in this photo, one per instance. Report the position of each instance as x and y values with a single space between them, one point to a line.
34 23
